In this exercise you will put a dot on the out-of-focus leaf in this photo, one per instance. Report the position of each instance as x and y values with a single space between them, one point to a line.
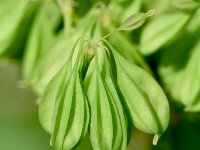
196 105
159 6
15 24
194 23
186 5
190 82
180 73
42 36
161 31
135 6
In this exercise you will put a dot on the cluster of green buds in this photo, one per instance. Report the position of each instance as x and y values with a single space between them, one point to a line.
84 80
100 96
98 91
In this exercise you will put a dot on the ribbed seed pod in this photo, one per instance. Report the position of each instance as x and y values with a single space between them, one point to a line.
59 52
108 127
46 68
49 97
142 97
64 111
71 116
121 142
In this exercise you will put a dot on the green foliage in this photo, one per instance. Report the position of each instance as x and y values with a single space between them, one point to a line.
167 28
15 25
94 74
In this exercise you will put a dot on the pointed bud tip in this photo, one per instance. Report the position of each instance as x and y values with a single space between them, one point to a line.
151 12
155 139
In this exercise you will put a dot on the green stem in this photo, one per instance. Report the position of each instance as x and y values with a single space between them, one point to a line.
132 49
66 7
67 20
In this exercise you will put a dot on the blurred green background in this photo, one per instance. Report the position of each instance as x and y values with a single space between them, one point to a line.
19 126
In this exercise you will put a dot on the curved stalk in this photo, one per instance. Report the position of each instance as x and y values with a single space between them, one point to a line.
132 49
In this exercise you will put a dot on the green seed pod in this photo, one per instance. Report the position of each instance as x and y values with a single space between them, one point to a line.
142 97
121 142
48 98
63 110
135 20
59 52
142 92
46 68
108 127
71 114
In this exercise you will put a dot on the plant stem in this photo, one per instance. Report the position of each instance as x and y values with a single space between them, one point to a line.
132 49
66 7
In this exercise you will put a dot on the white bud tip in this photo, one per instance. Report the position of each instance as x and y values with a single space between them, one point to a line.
151 12
155 139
